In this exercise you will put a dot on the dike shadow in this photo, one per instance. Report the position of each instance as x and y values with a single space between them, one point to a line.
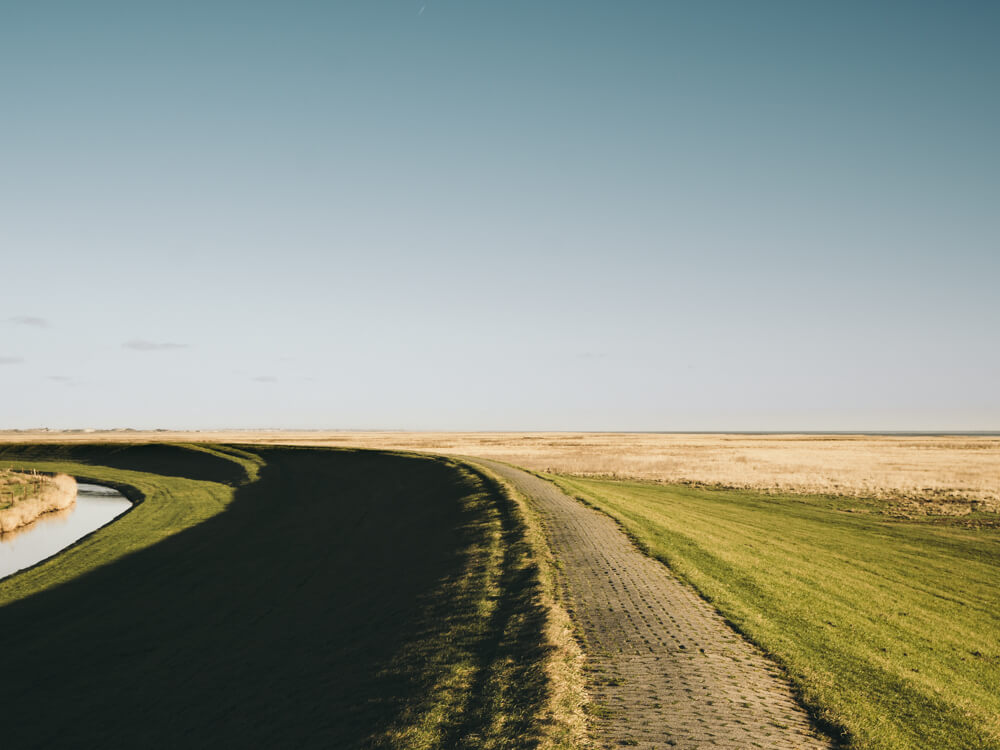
267 625
155 458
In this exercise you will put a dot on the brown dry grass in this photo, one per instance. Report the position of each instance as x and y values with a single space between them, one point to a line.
940 474
32 495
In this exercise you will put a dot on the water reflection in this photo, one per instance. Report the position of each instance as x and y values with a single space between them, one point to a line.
95 506
45 518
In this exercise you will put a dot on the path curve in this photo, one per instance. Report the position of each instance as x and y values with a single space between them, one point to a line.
665 669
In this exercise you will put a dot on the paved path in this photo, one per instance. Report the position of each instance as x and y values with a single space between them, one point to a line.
667 672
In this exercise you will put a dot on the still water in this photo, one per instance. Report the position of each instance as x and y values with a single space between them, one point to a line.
95 506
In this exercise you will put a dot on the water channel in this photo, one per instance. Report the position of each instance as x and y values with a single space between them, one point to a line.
95 506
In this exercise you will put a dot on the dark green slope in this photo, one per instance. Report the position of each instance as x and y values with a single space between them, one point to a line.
309 613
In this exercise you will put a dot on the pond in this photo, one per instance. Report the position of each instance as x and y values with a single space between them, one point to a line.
95 506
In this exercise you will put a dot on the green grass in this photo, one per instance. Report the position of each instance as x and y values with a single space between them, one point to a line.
890 630
273 597
175 504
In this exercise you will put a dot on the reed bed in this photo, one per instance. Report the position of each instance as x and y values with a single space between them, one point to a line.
25 497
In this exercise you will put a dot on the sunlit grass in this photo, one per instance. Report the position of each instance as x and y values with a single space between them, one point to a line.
890 629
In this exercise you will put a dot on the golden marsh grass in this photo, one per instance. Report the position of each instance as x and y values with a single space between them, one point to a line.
940 474
31 495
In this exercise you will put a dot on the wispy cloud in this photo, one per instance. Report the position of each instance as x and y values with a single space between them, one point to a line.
265 379
68 381
142 345
593 355
11 360
29 320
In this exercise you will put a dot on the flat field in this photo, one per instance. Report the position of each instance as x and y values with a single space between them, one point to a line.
918 474
889 628
950 474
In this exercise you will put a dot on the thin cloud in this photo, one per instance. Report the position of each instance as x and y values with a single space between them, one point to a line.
265 379
142 345
29 320
67 381
11 360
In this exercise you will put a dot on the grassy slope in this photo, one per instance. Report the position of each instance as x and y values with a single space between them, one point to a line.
565 714
343 599
174 504
891 630
478 649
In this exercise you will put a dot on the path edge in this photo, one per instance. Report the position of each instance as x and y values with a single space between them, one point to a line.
567 723
837 735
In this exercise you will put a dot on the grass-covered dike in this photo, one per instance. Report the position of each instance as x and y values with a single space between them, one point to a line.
888 628
281 597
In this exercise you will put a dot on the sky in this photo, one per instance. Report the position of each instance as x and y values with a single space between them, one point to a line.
432 214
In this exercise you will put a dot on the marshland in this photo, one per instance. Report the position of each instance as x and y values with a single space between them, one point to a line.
25 497
446 375
878 606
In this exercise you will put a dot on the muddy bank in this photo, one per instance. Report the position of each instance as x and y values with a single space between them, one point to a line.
29 497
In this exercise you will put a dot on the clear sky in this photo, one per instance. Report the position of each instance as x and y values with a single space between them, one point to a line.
500 215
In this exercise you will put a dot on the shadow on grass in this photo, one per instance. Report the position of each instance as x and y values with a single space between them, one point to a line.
509 681
279 623
167 460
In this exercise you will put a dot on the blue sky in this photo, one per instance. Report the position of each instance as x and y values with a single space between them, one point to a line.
516 215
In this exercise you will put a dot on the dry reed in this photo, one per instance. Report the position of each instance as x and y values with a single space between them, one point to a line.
31 495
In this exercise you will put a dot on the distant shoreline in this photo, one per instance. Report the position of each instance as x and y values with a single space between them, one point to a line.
162 434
